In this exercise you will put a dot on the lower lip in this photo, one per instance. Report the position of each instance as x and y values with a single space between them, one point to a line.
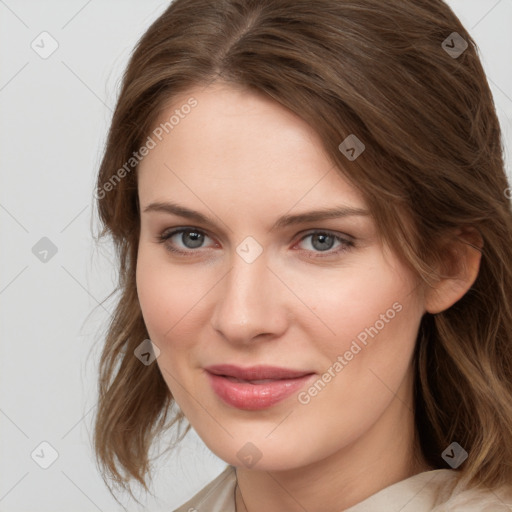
253 397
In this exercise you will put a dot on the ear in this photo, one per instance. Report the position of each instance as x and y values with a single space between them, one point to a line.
461 263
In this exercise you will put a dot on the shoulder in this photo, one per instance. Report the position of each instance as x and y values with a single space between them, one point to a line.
435 491
217 496
439 490
474 499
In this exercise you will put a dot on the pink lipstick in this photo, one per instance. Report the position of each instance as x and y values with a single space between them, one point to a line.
255 387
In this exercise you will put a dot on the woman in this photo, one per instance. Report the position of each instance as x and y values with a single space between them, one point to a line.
308 200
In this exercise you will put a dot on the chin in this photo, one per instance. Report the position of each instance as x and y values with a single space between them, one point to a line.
258 452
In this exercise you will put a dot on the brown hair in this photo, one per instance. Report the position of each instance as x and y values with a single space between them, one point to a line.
433 162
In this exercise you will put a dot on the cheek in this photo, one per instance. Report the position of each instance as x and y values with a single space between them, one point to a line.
166 299
375 318
171 298
153 300
162 294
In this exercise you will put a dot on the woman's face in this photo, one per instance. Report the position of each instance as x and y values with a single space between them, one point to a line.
285 336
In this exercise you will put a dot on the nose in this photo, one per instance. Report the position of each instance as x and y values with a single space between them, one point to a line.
250 303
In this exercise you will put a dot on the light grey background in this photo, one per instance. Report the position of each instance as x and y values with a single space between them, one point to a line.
54 118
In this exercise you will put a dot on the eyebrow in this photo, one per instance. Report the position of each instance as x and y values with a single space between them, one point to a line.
282 222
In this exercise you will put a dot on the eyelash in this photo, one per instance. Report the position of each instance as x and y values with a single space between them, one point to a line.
345 243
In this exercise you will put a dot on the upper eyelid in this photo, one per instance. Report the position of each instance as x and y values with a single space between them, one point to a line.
177 230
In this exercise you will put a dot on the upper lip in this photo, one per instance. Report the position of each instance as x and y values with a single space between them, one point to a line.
259 372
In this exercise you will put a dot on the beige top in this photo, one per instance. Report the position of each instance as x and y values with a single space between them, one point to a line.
431 491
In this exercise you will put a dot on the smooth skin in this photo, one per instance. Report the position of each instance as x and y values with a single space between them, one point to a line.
242 160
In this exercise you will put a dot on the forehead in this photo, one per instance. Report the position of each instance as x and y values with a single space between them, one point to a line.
243 145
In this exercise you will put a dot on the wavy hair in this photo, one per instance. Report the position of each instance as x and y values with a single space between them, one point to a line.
379 69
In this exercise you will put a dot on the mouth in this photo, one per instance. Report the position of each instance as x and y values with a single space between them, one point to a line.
256 387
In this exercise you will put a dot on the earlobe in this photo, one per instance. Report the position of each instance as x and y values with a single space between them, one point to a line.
460 270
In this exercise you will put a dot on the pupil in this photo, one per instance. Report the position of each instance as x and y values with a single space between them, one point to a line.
323 239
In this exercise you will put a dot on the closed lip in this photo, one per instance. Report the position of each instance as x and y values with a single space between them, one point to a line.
259 372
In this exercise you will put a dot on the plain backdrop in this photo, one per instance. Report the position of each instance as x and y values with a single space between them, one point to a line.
54 115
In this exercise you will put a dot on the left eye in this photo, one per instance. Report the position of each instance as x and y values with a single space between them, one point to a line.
322 241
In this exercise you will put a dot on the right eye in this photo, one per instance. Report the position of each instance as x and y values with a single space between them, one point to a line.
189 238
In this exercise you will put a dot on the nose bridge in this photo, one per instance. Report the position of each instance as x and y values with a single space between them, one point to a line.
247 305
